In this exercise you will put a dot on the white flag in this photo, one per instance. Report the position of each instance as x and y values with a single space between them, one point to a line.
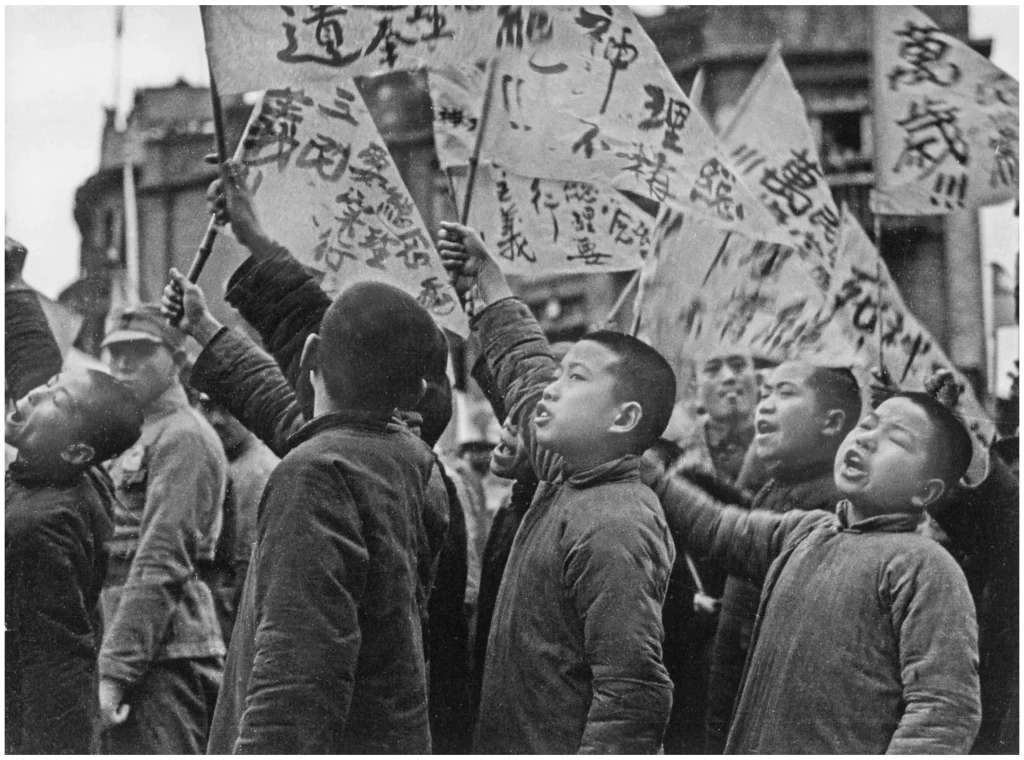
326 187
538 226
773 148
596 103
253 47
947 120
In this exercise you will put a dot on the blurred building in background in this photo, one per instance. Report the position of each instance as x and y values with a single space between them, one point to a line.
935 261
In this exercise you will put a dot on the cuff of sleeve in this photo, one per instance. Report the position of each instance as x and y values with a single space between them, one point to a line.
207 364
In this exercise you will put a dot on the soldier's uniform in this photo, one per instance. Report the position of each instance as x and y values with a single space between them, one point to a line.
162 640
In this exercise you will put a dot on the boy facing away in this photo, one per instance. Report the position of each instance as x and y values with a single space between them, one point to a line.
865 640
574 661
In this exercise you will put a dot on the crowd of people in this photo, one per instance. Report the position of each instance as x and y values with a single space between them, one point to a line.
261 550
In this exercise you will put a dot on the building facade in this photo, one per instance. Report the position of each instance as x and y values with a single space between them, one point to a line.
935 261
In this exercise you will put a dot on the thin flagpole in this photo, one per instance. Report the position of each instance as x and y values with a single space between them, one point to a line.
474 161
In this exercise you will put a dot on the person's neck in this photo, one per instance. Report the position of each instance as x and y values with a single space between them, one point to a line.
48 474
588 460
731 423
324 404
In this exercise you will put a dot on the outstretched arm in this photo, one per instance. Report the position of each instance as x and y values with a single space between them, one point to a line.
234 371
517 353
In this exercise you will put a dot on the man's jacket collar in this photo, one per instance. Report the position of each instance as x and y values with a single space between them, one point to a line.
900 522
618 470
373 421
169 401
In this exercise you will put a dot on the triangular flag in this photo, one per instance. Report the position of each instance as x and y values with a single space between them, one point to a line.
326 187
597 104
535 226
946 120
773 148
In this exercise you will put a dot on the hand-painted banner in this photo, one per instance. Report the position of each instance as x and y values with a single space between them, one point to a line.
326 187
773 148
701 287
947 120
253 47
597 104
538 226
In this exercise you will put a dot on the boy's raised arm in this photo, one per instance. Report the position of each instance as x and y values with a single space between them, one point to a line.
31 355
234 371
744 542
517 353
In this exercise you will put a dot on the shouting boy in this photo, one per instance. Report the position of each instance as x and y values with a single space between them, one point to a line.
574 660
804 414
57 522
865 640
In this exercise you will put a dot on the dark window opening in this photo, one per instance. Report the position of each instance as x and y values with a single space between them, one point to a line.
842 142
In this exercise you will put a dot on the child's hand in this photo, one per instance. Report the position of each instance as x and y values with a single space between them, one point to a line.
468 263
184 305
463 254
231 202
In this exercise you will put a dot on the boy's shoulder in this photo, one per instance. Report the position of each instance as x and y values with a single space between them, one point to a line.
617 507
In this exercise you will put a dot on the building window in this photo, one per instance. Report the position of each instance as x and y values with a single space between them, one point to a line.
844 141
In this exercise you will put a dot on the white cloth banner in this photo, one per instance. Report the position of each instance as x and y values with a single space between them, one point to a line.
597 104
536 226
253 47
773 148
947 120
326 187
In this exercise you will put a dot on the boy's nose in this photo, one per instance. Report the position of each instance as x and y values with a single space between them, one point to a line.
550 393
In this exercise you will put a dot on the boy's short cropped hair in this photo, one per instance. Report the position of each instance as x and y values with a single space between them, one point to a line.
951 449
111 416
644 376
837 388
376 344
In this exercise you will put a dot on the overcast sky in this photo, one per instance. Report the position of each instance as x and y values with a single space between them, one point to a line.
59 75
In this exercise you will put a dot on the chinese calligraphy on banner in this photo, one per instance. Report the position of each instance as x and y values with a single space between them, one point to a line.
947 120
771 145
537 225
703 287
255 47
597 104
325 187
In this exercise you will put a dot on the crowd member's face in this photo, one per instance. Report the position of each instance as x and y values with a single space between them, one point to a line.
148 369
726 385
580 406
45 424
509 458
788 421
885 463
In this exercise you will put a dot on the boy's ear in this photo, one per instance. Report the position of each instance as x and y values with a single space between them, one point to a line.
78 454
834 421
628 418
309 362
409 402
930 492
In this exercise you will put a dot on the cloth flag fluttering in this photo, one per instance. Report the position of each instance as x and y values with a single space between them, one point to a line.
771 145
326 187
535 226
946 119
596 103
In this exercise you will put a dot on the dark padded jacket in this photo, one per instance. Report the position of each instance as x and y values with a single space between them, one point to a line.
55 561
574 654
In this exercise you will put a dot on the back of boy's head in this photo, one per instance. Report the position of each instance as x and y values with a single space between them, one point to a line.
950 446
375 344
837 388
111 416
644 376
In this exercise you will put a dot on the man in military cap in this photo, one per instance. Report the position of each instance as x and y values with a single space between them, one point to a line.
162 657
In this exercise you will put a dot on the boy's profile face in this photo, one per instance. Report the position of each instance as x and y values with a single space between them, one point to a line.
726 384
788 421
885 463
148 369
48 420
580 406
